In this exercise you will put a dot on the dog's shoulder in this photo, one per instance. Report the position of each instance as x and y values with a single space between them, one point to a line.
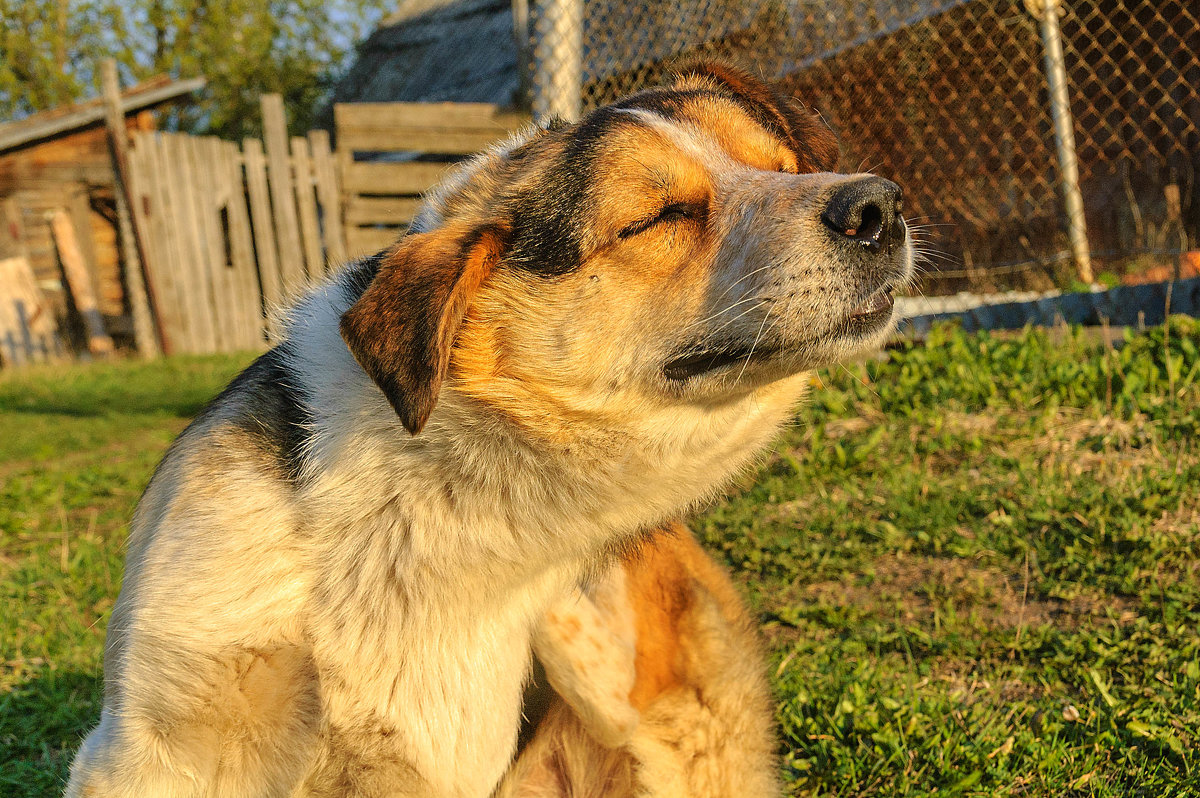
260 417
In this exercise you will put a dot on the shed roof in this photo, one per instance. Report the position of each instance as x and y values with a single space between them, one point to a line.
437 51
464 50
67 118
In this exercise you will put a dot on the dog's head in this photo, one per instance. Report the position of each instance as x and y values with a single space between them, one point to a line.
685 246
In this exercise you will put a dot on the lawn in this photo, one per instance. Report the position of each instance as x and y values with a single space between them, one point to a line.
975 562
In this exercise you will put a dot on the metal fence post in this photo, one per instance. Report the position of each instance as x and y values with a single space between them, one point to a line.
1047 13
557 59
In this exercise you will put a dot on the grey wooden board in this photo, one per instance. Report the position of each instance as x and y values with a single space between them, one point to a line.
391 177
361 241
283 197
267 253
381 210
306 205
325 172
449 141
483 116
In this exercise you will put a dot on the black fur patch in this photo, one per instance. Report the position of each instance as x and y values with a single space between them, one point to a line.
262 402
359 276
549 217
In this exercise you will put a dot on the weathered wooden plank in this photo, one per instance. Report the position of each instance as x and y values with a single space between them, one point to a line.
266 253
202 204
450 141
140 293
390 177
12 234
229 301
381 210
193 254
173 237
306 204
361 241
152 215
283 200
243 251
80 282
220 275
80 209
325 171
483 116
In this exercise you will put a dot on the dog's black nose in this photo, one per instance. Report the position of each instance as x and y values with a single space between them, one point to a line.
866 211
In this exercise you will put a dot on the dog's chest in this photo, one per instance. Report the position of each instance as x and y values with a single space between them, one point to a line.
436 652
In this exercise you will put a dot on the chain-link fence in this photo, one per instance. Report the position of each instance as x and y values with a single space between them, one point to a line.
953 100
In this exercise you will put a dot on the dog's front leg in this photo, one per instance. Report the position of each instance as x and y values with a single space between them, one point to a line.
434 723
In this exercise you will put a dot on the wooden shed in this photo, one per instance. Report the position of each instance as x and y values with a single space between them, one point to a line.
60 161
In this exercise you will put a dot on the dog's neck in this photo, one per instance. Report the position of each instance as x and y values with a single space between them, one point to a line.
564 495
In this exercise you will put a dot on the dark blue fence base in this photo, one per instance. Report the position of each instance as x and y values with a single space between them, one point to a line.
1123 306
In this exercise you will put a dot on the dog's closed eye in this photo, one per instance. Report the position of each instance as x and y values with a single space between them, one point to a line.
674 212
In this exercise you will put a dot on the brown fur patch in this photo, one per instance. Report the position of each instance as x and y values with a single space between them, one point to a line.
798 127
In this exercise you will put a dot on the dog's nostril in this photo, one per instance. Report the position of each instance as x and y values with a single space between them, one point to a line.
872 223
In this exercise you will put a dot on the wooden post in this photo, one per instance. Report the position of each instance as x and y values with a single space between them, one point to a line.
306 201
243 250
141 291
283 200
79 281
328 192
264 237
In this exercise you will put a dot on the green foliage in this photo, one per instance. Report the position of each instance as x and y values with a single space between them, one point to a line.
976 562
243 47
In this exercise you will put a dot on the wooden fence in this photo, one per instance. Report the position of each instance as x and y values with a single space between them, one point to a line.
224 234
390 153
232 233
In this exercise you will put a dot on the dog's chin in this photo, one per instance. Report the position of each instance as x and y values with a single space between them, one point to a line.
863 330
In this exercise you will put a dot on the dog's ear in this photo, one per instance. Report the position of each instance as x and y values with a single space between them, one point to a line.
402 328
802 130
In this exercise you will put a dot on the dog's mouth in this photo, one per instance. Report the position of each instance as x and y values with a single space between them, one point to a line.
867 317
872 313
701 361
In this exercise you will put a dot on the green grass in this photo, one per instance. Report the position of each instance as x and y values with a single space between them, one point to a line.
977 563
76 449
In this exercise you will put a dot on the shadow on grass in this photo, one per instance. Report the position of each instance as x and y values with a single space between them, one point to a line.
176 386
42 721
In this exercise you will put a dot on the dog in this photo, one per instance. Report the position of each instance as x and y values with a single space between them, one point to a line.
657 687
334 577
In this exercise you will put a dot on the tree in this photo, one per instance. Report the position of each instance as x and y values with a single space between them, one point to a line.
48 53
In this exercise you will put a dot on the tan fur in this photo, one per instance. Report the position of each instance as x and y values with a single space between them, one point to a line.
336 576
700 704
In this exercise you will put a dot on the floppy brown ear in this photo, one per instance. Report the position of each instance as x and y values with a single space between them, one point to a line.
402 328
803 131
